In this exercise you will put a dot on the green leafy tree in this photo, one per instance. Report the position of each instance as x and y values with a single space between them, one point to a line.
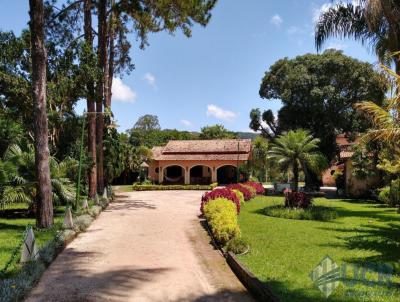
318 93
259 160
216 132
299 150
372 22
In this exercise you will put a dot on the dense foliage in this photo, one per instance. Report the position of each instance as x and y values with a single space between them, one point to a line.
313 88
245 191
295 199
220 193
221 215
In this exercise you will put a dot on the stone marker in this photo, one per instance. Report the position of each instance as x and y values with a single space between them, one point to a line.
29 249
68 222
85 204
105 194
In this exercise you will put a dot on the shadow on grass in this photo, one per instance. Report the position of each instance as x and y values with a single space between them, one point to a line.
385 240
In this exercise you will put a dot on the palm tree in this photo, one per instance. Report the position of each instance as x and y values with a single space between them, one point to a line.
259 156
376 22
298 149
385 119
20 184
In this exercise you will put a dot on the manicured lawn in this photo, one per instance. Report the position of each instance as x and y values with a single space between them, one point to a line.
13 222
285 251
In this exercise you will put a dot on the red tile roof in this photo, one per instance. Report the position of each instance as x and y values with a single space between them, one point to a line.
204 150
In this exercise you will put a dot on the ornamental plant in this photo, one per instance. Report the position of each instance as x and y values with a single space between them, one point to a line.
222 218
239 195
256 185
245 191
294 199
253 191
220 193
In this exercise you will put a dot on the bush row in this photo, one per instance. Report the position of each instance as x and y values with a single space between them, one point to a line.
154 187
221 206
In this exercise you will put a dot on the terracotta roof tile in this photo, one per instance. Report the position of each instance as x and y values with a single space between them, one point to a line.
204 150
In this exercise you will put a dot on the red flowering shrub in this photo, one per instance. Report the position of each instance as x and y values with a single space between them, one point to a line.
297 199
246 192
256 185
220 193
253 191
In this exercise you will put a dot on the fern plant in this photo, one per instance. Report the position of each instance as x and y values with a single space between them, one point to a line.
18 178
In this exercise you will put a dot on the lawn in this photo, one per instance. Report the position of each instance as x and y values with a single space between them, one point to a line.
285 251
13 222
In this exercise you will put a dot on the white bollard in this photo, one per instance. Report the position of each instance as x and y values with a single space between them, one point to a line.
68 222
105 194
85 204
29 249
96 200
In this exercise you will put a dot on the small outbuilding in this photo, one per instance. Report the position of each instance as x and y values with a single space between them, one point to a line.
199 161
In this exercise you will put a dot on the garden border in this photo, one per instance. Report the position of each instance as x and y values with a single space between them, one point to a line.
19 286
257 289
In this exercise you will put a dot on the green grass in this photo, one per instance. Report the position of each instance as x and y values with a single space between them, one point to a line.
284 251
123 188
13 222
320 213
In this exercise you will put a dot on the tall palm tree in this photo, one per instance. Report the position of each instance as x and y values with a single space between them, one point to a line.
385 119
376 22
298 149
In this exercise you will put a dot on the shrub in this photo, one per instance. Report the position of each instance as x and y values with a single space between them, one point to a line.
253 191
297 199
245 191
239 195
213 185
221 215
237 245
384 195
220 193
319 213
256 185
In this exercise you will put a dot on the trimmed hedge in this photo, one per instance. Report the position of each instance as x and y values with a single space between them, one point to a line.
153 187
245 191
257 186
239 195
222 217
253 191
220 193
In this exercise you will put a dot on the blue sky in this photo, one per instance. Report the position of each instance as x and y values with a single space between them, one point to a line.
214 76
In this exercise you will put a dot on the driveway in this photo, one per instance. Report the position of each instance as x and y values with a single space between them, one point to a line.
147 246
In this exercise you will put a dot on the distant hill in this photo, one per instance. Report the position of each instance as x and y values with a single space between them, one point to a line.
247 135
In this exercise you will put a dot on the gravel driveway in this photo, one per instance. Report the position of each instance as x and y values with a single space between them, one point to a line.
147 246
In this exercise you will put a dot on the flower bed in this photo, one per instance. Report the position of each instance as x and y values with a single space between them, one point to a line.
220 193
245 191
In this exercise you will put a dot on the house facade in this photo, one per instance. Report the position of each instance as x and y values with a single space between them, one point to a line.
353 186
199 161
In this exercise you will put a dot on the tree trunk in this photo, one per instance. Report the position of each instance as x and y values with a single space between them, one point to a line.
44 217
91 110
295 176
111 36
102 63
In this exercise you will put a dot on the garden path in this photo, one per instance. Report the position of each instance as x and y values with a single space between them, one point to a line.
146 246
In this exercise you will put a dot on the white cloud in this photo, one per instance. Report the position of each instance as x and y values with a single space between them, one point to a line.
317 11
122 92
151 79
276 20
219 113
187 123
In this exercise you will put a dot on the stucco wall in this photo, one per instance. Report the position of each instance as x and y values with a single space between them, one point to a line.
187 165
